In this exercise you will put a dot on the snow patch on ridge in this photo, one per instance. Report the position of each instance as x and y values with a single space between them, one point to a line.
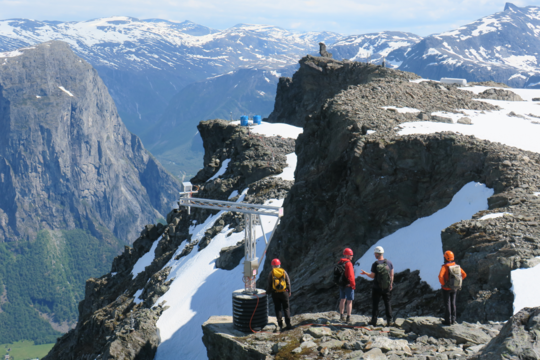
495 126
526 294
495 215
222 169
200 290
422 239
145 260
64 90
277 129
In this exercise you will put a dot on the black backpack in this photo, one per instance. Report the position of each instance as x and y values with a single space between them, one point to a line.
383 275
339 274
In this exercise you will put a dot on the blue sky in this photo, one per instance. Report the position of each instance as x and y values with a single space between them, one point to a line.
422 17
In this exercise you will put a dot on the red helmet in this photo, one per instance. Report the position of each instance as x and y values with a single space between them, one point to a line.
347 252
276 262
449 256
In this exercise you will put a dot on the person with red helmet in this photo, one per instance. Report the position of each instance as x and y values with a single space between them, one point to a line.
347 284
450 277
279 285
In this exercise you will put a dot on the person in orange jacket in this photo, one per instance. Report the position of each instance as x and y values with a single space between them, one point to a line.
450 288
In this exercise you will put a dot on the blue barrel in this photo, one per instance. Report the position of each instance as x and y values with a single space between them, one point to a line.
244 120
257 120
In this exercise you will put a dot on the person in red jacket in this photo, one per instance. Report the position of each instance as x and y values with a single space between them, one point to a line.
449 295
346 293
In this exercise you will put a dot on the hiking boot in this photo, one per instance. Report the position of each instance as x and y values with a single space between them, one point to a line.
342 317
389 323
289 326
280 324
446 323
373 322
348 320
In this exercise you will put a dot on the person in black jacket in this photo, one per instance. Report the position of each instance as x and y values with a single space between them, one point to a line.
279 285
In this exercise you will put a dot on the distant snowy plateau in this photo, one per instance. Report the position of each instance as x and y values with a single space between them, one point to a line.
505 42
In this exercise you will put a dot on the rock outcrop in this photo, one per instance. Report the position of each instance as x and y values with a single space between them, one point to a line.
318 79
67 160
518 339
499 94
321 335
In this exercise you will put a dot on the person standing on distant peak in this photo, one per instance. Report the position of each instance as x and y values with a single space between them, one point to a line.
382 271
451 277
279 285
344 277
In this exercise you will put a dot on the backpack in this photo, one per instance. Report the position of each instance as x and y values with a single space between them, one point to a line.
454 278
278 280
339 274
383 275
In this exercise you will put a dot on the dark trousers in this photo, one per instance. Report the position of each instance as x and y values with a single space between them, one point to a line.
449 300
376 296
281 300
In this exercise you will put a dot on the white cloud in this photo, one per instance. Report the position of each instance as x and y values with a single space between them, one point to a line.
345 16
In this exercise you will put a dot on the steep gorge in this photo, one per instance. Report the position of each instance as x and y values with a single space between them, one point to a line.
75 186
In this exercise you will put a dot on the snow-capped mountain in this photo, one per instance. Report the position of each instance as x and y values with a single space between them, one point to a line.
391 45
145 62
503 47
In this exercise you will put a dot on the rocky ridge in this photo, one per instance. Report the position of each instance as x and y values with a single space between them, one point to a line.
382 182
114 323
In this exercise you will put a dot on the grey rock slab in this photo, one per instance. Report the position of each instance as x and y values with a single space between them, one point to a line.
374 354
431 326
386 344
465 121
331 344
308 345
319 332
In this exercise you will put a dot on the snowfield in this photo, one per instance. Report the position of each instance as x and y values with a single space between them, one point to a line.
201 290
521 131
422 239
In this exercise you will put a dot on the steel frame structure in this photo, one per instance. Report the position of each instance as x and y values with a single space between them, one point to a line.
252 214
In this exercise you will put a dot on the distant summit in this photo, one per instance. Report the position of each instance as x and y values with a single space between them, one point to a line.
503 47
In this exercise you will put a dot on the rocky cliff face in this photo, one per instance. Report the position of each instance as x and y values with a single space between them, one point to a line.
353 189
66 159
118 316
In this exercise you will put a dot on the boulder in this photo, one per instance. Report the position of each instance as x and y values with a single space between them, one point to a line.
500 94
441 119
431 326
518 338
386 344
465 121
374 354
319 332
230 256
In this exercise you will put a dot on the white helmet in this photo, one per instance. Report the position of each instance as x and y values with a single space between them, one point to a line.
379 250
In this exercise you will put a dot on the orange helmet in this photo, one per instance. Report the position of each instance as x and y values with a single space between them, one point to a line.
449 256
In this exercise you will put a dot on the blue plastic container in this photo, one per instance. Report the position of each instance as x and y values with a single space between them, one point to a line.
257 120
244 120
